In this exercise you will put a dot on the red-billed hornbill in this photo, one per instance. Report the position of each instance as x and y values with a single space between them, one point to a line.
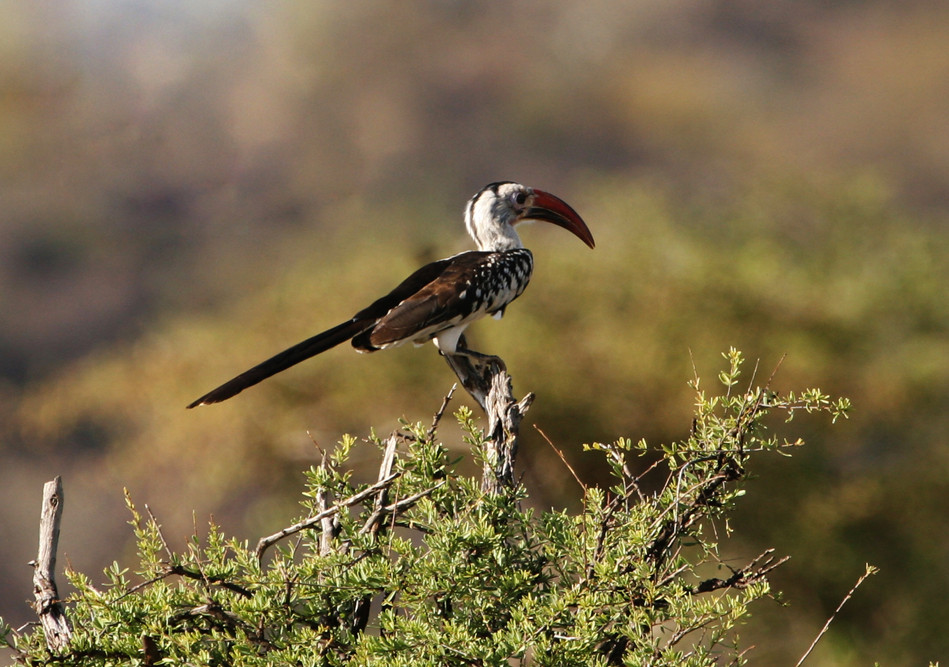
439 300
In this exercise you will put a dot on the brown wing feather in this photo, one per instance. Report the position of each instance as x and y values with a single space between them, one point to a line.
418 280
436 303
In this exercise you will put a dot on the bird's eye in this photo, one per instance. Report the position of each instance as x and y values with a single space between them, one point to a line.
519 198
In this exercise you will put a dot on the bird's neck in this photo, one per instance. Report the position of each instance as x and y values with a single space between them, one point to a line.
498 239
488 231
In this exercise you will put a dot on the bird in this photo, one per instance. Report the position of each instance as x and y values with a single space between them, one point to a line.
438 301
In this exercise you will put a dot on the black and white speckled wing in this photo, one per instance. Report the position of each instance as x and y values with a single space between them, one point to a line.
471 285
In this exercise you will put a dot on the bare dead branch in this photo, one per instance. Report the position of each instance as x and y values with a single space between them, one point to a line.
487 380
47 604
328 525
374 525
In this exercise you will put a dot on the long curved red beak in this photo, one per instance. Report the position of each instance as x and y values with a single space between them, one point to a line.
553 209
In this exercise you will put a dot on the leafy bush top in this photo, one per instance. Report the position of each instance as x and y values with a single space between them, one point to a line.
423 568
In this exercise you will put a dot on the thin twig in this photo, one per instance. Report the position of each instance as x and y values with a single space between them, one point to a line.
266 542
678 495
775 371
161 537
317 445
742 577
441 411
870 570
396 507
144 584
562 458
754 374
652 466
182 571
414 498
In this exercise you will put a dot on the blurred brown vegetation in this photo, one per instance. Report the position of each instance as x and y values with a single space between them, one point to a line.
187 188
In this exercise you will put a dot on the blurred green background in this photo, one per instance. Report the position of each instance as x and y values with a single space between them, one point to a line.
187 188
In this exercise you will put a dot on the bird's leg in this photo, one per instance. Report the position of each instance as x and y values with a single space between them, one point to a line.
474 369
480 359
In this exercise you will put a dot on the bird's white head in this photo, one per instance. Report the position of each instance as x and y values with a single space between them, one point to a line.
491 214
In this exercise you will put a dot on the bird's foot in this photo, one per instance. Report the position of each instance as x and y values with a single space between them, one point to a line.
481 360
